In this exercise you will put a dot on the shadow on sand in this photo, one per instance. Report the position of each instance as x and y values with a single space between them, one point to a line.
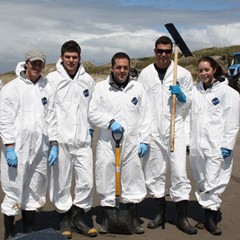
146 212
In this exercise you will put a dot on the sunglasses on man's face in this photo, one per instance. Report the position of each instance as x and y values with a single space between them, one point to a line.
161 51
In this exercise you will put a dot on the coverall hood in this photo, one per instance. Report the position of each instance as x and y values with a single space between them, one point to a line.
60 68
20 69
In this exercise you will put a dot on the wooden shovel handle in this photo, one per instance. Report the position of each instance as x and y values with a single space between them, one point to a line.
117 138
117 173
174 99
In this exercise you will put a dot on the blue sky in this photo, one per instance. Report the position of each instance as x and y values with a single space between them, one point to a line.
104 27
184 4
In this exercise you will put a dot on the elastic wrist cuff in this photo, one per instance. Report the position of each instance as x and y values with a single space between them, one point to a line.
8 145
54 143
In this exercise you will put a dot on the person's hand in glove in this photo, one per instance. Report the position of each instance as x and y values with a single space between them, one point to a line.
142 150
11 156
116 127
53 155
181 97
91 131
225 152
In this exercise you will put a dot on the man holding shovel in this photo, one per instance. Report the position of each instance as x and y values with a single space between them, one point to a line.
119 106
157 80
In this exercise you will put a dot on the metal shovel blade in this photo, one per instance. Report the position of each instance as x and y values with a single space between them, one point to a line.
178 40
119 221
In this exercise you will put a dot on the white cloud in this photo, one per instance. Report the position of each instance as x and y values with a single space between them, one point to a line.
105 27
212 36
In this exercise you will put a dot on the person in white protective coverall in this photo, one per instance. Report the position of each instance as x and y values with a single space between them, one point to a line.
73 89
157 79
214 128
119 104
28 126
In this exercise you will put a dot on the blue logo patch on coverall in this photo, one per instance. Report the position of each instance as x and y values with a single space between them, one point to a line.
44 100
215 101
86 93
134 101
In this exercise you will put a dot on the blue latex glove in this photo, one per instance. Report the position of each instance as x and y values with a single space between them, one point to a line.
181 97
91 131
116 127
225 152
53 156
12 160
142 150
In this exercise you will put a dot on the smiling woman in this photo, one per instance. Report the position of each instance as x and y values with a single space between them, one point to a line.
214 130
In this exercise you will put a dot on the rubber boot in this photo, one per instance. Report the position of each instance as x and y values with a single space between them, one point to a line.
103 229
66 224
210 222
79 224
132 210
28 219
217 216
182 222
160 217
9 226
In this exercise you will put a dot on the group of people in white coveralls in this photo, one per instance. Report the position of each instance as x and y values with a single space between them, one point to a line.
47 124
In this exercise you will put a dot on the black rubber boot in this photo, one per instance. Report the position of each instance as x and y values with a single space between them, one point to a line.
182 222
103 229
210 222
9 226
160 217
66 224
217 216
136 226
79 224
28 219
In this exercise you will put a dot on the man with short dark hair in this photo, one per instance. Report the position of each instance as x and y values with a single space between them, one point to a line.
119 105
73 89
157 80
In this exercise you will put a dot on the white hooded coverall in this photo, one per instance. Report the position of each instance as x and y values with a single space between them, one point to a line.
156 162
27 119
75 152
129 108
214 124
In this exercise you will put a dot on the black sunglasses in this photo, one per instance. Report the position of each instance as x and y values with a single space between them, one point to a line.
161 51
